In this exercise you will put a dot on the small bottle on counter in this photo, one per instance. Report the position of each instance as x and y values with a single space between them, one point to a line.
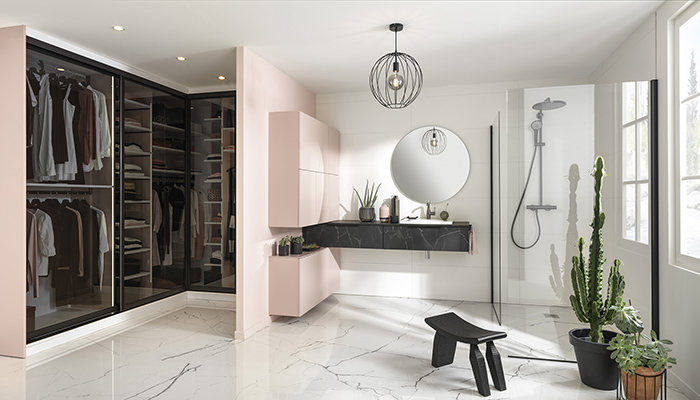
384 213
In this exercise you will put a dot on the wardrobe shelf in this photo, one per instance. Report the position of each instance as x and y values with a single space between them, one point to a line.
167 128
135 276
229 151
213 140
213 119
144 154
67 186
213 161
212 244
137 201
213 181
168 149
212 202
230 128
172 172
212 223
211 265
128 128
136 251
133 105
136 226
143 178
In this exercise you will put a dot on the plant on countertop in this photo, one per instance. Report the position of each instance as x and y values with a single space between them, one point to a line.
309 246
587 299
284 241
629 351
297 239
370 197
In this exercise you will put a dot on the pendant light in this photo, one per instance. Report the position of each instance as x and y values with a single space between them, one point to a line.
396 79
434 141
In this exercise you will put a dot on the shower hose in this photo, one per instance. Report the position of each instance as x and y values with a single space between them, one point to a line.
520 205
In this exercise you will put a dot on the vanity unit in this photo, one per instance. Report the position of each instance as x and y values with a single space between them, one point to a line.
403 236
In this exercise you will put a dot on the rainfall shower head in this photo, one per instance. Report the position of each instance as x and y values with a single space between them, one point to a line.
548 104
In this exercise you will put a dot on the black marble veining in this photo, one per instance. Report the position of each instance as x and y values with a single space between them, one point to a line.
375 235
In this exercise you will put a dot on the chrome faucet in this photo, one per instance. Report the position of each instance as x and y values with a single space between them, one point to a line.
428 213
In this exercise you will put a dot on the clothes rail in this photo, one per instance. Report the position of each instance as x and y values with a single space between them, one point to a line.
59 192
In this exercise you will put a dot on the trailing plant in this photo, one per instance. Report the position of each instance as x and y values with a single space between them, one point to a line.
587 300
284 241
370 195
632 349
297 239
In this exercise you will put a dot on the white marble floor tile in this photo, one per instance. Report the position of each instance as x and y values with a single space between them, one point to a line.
348 347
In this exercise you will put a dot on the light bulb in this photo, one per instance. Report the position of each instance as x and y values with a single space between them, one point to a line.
434 141
395 81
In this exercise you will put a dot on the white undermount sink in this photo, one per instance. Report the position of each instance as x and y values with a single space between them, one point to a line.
419 221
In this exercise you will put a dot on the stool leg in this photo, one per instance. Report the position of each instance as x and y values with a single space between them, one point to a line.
443 350
494 359
479 368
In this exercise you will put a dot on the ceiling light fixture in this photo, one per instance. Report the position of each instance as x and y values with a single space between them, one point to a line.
396 79
60 69
118 28
434 141
221 77
181 58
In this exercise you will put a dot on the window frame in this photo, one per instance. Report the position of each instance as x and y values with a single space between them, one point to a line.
680 259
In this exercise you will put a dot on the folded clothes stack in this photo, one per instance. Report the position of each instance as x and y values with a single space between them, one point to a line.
130 191
159 164
162 142
130 122
215 257
131 148
134 221
130 243
215 135
131 170
215 177
230 147
214 157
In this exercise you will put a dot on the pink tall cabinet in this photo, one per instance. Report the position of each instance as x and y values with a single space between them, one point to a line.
304 162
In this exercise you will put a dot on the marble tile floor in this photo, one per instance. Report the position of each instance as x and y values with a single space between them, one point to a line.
348 347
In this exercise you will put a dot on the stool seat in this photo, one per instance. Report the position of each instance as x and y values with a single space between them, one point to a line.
450 329
452 326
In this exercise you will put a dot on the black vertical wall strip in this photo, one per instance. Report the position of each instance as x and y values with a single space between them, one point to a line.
654 201
188 196
120 267
493 249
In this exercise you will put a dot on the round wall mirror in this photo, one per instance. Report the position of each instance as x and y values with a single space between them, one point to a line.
425 177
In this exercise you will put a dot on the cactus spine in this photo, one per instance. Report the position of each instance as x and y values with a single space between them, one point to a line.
587 299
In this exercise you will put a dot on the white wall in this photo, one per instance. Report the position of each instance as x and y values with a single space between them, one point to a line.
368 136
541 274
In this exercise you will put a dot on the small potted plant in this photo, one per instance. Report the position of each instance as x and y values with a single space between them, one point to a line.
641 359
367 202
283 249
297 242
595 367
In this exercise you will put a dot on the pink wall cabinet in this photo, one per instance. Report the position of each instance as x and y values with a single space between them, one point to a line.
299 283
304 160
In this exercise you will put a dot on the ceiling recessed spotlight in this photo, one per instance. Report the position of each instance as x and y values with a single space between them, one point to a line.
221 77
118 28
60 69
181 58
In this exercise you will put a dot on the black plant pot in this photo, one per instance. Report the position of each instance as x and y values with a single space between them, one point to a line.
296 248
283 251
595 366
366 214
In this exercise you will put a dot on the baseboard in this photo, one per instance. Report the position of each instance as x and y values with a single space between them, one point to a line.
682 386
57 345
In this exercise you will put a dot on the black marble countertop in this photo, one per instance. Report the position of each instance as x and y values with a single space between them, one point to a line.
402 223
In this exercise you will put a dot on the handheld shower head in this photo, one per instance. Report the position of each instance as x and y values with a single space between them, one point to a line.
548 104
536 125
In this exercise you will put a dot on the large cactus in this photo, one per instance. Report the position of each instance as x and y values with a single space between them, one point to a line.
587 299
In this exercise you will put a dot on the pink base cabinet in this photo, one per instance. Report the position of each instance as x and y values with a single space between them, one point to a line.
298 283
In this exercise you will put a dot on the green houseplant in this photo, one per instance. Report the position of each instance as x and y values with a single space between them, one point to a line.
593 357
297 242
641 358
283 249
367 202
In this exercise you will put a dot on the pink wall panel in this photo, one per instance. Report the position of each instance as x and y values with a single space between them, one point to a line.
12 202
261 89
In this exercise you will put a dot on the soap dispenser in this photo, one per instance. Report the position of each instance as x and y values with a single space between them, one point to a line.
394 218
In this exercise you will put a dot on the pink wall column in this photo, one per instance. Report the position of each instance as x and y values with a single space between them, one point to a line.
260 89
13 335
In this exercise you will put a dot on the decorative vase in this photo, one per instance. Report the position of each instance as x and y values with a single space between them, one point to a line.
283 250
366 214
595 366
645 384
444 215
296 248
384 213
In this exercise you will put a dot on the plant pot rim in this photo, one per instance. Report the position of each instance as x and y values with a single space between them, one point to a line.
645 371
577 338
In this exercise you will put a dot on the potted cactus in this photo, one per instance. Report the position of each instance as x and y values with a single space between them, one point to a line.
283 249
297 242
595 366
367 202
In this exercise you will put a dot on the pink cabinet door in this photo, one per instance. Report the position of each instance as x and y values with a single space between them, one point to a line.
313 138
331 198
331 154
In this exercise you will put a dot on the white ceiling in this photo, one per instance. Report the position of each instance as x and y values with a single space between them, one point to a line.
330 46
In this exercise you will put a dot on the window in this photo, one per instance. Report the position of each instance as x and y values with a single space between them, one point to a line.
635 168
688 139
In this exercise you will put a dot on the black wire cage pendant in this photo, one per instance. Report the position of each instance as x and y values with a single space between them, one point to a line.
396 79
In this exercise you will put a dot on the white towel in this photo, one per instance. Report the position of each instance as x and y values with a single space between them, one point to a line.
472 243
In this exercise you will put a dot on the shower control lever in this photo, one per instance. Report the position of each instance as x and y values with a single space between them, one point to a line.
428 212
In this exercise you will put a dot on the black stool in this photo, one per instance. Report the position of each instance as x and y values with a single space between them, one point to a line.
450 329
